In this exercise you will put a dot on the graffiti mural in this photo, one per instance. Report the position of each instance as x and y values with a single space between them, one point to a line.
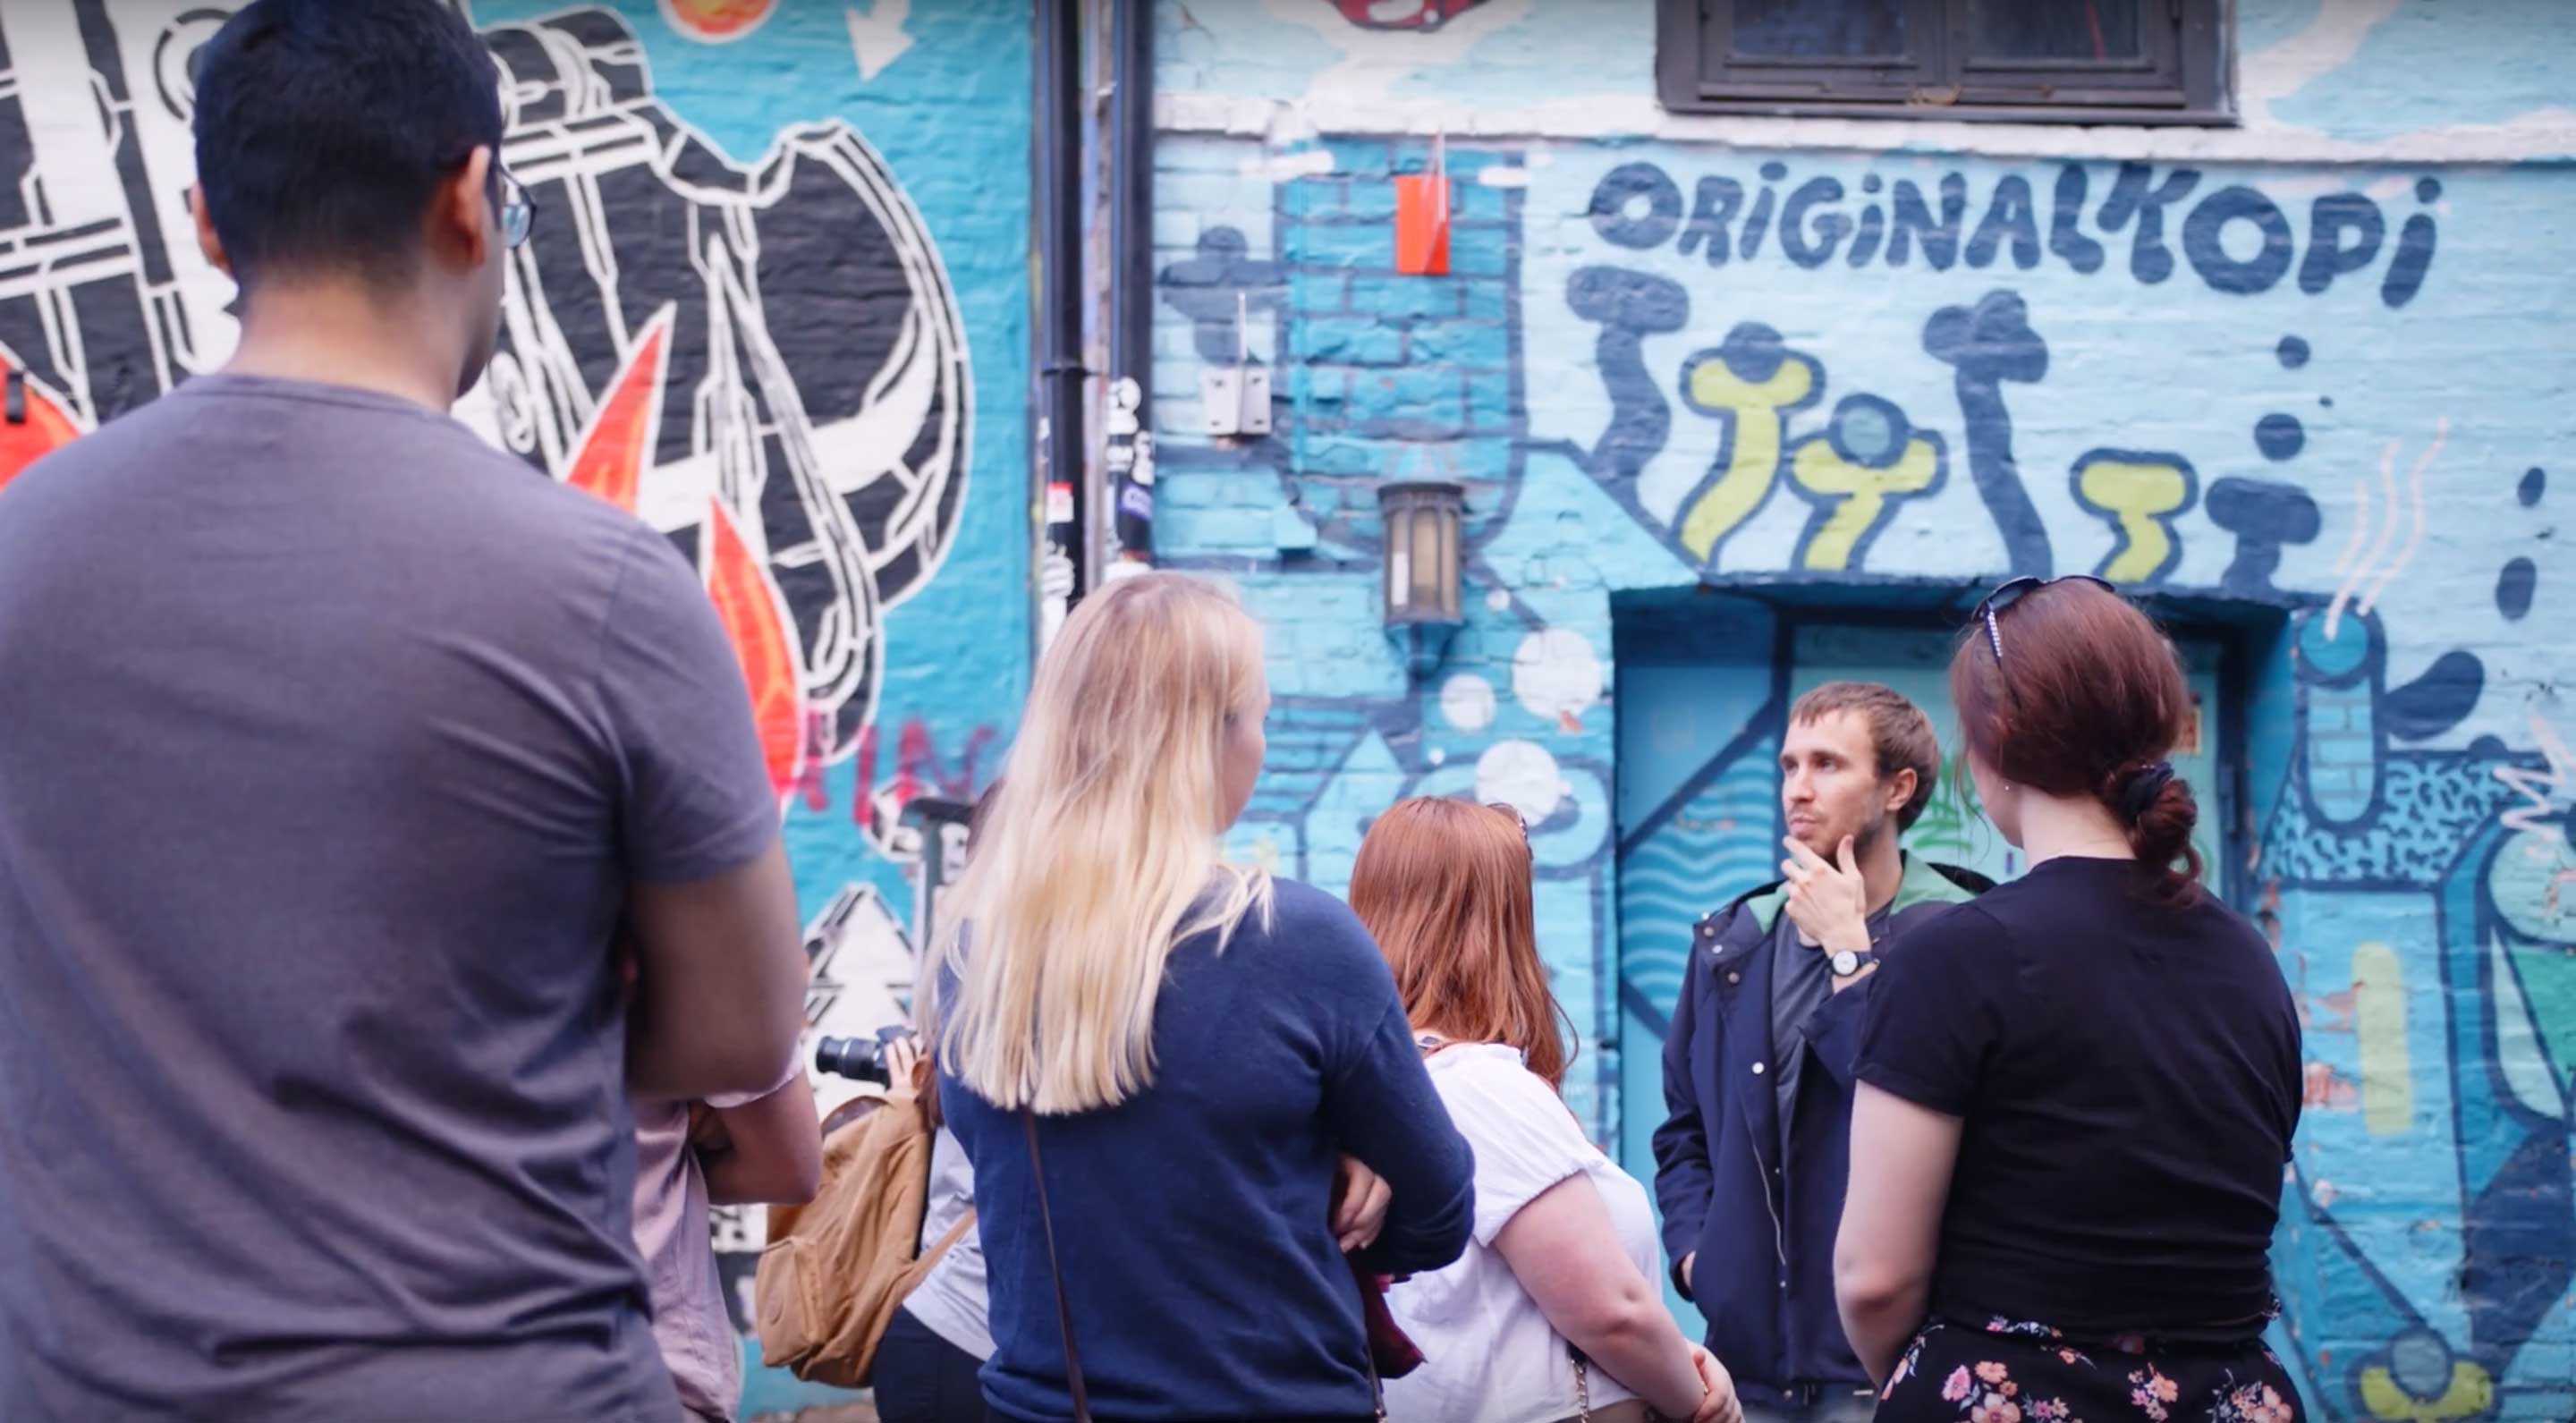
815 467
1754 386
740 316
104 302
1683 366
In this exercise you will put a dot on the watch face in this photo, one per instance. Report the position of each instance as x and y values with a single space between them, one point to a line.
1846 963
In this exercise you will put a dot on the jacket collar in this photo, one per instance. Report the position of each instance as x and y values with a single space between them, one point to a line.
1924 882
1918 881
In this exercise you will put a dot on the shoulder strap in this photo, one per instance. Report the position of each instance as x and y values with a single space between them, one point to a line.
1055 1270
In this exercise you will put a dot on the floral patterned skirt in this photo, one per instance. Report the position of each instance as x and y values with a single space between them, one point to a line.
2028 1373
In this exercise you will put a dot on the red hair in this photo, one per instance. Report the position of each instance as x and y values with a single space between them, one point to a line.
1444 886
2086 699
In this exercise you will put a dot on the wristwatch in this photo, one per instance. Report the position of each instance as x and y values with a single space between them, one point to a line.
1846 962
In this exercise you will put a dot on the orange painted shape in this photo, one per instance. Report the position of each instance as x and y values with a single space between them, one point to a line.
754 615
1422 224
716 20
610 457
46 428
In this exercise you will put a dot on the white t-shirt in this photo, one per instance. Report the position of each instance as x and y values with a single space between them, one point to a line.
951 1301
1488 1354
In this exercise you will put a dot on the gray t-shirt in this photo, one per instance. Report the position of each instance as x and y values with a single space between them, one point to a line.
1802 978
330 739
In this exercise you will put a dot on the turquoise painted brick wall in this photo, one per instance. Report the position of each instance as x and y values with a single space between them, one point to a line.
2307 375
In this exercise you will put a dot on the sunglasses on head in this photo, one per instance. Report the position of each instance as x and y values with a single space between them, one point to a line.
2013 590
1517 818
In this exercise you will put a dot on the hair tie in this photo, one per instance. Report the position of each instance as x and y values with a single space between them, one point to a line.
2140 789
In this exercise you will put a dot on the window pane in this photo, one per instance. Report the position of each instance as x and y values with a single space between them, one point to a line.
2100 30
1820 29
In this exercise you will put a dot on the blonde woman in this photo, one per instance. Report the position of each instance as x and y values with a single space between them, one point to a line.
1553 1312
1154 1058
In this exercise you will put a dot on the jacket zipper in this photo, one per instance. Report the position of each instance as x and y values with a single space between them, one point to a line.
1779 1238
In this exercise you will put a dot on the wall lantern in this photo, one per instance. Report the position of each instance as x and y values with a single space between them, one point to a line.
1422 519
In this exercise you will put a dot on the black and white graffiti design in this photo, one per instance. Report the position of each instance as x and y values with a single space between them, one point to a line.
816 378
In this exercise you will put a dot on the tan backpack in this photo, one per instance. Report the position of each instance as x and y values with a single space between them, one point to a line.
835 1270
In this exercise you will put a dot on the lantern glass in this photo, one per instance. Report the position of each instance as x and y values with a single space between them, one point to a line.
1429 562
1422 552
1399 561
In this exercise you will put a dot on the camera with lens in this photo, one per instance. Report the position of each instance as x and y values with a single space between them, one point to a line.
861 1058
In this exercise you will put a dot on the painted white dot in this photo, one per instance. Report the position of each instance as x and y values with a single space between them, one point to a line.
1467 702
1522 775
1436 756
1498 600
1555 673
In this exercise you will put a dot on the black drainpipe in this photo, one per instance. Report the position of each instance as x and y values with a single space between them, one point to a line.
1130 450
1058 204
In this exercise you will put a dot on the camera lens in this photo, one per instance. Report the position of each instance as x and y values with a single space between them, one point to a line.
859 1058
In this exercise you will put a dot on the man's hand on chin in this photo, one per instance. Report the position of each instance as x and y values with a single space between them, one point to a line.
1828 899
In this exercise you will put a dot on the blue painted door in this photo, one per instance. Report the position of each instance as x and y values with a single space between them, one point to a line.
1703 695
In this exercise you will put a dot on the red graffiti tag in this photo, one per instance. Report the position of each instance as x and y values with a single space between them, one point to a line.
715 21
755 617
39 428
610 457
609 460
1403 14
918 770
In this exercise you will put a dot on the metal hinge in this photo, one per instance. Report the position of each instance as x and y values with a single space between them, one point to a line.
1236 399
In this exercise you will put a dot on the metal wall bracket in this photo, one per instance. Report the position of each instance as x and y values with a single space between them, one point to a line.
1236 398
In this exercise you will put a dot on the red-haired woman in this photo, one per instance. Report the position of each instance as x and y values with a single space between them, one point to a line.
2077 1092
1563 1250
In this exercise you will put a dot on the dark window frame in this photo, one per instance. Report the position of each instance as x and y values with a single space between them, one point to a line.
2181 78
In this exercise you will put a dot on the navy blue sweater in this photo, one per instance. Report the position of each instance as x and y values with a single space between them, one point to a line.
1193 1218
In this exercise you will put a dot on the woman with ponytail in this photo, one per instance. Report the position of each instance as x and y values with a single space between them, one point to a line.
2076 1093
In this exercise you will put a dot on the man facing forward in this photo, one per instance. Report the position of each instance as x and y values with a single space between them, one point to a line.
1758 1065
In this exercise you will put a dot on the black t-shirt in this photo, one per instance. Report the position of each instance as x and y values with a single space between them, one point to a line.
2129 1078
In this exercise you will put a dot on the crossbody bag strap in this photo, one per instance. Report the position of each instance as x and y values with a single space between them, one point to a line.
1055 1271
1368 1351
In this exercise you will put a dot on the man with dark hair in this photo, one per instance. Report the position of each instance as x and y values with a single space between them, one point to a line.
338 746
1758 1066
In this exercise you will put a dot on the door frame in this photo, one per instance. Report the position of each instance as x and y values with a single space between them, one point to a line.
2247 636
